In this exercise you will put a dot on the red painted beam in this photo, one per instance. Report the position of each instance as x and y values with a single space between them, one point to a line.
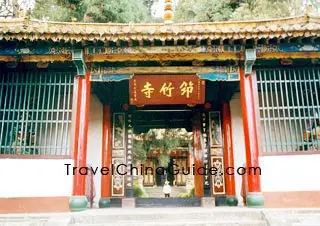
81 134
250 129
106 152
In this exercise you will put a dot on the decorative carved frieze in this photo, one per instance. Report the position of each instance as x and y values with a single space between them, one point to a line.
216 152
118 154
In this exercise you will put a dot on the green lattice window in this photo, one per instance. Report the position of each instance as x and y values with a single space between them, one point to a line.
289 109
35 113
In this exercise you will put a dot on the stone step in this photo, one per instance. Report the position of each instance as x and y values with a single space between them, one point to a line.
156 192
293 219
165 223
24 219
184 223
168 216
222 216
106 216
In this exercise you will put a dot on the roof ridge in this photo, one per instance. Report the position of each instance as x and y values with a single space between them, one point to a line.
306 17
306 25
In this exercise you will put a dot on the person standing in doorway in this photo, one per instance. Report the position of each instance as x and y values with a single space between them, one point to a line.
166 189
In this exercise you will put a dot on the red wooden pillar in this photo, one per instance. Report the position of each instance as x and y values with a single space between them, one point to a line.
198 159
254 196
228 155
78 201
104 201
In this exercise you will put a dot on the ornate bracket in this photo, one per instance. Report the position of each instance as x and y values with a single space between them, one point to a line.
250 58
219 76
78 60
110 78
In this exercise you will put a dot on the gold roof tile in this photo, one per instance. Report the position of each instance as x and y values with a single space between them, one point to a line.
276 28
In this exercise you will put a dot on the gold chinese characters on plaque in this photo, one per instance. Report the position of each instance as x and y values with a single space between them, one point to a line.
166 89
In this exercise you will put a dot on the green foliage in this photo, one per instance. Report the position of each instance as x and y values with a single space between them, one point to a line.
218 10
139 153
138 191
149 4
164 160
120 11
188 194
203 10
262 9
165 140
55 10
126 11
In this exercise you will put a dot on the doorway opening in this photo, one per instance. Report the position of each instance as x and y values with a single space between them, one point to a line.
162 150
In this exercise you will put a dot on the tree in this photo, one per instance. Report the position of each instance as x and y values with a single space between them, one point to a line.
261 9
164 139
58 10
219 10
120 11
204 10
315 6
299 6
14 8
267 9
149 4
7 9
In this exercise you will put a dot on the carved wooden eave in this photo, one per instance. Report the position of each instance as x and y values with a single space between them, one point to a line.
33 30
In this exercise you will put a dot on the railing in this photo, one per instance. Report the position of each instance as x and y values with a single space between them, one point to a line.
35 112
289 109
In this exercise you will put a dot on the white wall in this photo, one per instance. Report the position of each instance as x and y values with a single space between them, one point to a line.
238 139
278 173
48 177
34 178
94 146
290 173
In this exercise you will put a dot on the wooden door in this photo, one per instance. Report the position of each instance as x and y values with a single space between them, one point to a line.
149 173
181 164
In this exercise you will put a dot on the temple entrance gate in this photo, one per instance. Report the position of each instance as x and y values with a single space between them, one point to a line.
201 115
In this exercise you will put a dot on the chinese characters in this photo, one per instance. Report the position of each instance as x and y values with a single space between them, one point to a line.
186 89
147 90
166 89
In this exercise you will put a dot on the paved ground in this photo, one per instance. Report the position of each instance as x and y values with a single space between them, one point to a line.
220 216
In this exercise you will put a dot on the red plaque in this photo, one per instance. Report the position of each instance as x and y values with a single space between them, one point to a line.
166 89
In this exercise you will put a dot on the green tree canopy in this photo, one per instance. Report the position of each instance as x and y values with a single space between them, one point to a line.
220 10
57 10
204 10
163 139
262 9
126 11
120 11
